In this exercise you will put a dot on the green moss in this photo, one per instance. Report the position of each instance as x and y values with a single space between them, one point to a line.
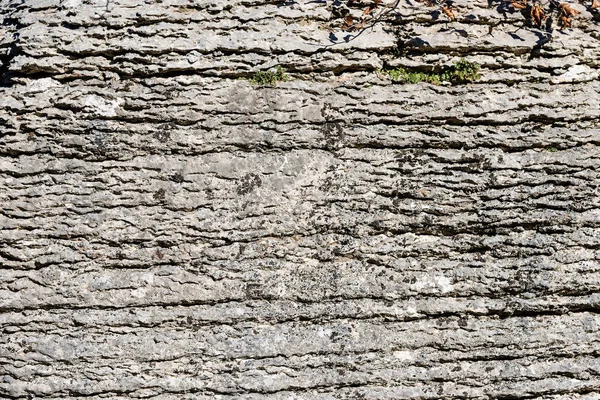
463 71
269 77
400 75
551 149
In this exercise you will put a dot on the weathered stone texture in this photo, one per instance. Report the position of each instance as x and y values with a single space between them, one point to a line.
171 231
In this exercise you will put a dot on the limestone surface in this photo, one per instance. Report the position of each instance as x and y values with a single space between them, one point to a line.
171 230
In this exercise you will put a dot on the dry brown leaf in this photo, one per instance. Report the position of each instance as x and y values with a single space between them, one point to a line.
565 21
348 23
595 4
519 5
568 10
537 14
449 13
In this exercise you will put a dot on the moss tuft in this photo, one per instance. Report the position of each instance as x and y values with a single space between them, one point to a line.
463 71
269 78
400 75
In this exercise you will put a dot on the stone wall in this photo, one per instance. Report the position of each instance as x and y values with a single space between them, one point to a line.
169 230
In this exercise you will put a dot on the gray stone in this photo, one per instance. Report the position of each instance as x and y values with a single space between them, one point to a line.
170 230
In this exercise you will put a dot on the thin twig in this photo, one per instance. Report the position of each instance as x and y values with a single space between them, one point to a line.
371 24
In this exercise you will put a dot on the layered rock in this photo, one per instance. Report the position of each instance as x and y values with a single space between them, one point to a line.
172 231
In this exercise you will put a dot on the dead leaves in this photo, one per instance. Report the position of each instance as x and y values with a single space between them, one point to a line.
567 10
519 5
566 15
565 22
595 4
538 12
449 11
537 15
350 24
447 7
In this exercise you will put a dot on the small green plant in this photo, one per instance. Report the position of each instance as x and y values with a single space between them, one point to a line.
551 149
463 71
270 77
400 75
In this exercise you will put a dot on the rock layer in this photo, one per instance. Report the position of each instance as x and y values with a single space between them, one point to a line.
172 231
